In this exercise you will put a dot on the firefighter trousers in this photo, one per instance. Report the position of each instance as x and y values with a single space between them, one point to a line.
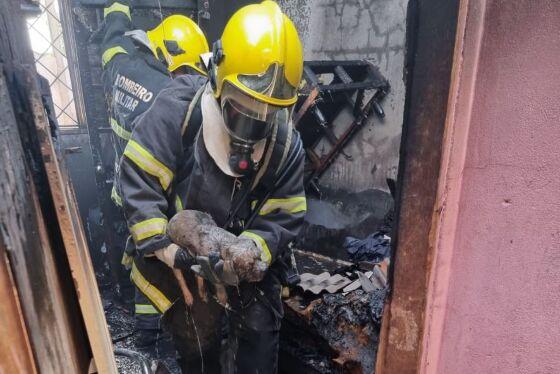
252 329
247 331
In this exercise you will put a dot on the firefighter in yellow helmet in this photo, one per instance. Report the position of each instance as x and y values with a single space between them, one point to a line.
179 42
136 66
222 153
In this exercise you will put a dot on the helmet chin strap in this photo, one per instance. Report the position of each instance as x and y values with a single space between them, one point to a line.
241 158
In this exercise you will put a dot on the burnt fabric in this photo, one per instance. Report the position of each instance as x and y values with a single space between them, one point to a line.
162 172
374 248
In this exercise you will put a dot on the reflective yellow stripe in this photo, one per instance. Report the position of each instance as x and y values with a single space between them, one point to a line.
117 7
110 53
148 228
120 130
126 260
178 204
145 309
145 161
115 197
291 205
266 256
161 302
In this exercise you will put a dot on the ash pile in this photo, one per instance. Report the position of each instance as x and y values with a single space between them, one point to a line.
120 321
333 316
121 324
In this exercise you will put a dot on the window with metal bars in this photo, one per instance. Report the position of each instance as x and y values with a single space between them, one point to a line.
47 43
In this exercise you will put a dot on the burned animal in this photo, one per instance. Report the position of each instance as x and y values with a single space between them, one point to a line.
197 232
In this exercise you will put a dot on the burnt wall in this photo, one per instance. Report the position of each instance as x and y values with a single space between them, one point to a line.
78 159
360 29
355 195
493 302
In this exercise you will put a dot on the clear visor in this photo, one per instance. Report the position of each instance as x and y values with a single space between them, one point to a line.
246 118
271 83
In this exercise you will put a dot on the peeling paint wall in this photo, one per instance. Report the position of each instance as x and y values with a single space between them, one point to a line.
494 304
360 29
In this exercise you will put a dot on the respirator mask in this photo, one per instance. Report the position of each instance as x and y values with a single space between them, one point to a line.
247 121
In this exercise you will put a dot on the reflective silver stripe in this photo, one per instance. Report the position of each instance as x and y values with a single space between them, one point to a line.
147 162
148 228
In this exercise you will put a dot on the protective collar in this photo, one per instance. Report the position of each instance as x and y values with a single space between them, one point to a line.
140 37
215 135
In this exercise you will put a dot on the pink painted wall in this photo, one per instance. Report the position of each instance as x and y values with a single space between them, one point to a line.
494 294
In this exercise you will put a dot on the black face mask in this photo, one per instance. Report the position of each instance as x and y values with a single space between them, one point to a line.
244 132
243 127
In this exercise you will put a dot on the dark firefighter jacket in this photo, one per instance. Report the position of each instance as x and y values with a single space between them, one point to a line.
162 172
132 76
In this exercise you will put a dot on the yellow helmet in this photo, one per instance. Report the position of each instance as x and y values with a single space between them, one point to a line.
259 54
180 41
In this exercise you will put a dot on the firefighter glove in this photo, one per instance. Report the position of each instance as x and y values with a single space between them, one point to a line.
215 269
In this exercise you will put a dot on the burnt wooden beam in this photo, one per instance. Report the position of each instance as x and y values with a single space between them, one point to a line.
16 355
431 28
29 251
27 248
41 240
73 238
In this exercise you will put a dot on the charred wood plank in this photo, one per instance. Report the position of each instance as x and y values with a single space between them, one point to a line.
73 238
15 349
24 234
428 75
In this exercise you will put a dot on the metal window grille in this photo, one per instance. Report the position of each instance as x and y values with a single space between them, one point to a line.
47 43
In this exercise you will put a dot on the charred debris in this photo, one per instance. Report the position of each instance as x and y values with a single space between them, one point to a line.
333 315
